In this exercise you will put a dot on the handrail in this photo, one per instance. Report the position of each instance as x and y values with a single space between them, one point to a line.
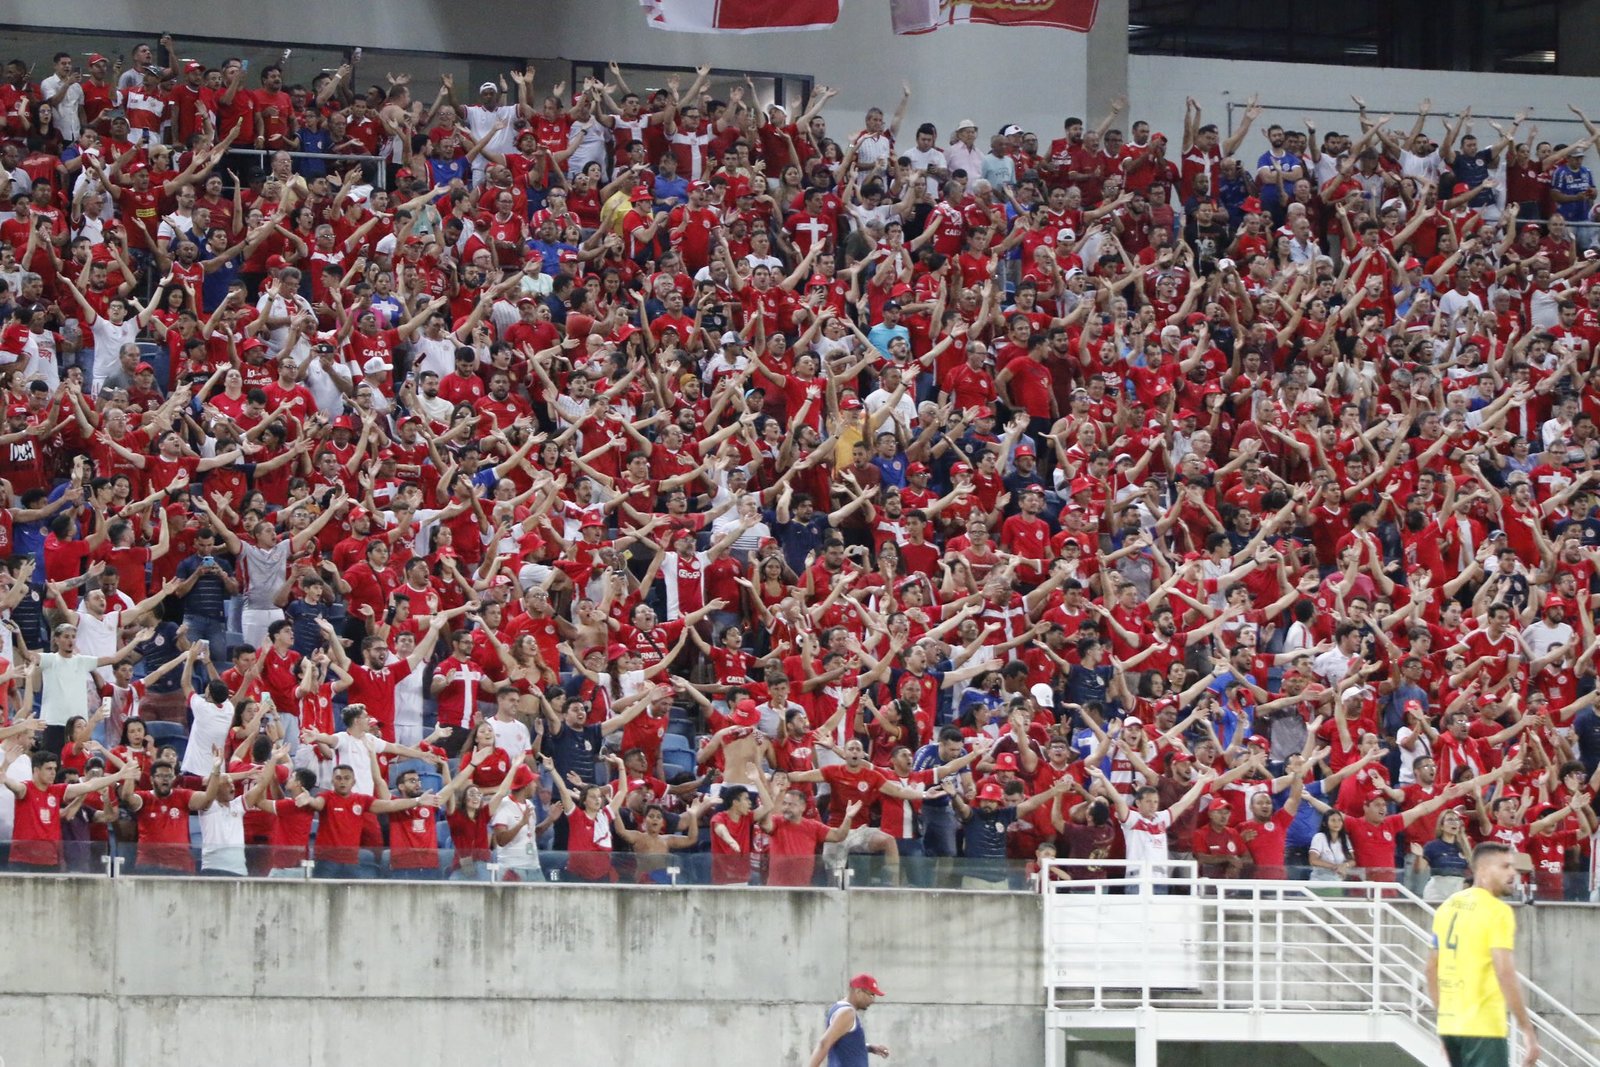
1265 946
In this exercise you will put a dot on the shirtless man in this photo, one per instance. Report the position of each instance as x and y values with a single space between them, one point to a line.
652 845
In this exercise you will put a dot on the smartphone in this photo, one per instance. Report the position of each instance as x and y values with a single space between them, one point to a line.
204 646
244 66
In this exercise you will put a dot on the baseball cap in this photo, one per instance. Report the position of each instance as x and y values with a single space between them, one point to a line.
344 422
732 337
1010 130
1257 739
1251 206
1024 450
1555 601
641 192
850 403
917 468
867 984
616 652
489 87
960 468
142 367
375 365
14 410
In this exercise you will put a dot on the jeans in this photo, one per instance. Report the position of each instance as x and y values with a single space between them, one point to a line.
939 833
330 869
213 631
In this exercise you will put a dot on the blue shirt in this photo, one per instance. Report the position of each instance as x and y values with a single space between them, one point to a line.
893 469
1286 161
1307 820
926 759
1566 180
445 171
313 141
799 538
673 190
880 336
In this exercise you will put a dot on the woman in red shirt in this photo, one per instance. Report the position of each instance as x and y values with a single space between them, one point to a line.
589 837
490 771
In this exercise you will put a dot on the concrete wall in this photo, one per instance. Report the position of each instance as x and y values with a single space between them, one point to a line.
133 971
130 971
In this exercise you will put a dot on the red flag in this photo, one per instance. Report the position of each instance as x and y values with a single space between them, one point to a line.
923 16
741 16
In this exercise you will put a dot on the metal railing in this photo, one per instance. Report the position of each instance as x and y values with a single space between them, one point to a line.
1311 954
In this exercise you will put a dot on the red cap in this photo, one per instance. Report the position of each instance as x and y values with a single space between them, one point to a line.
1081 485
850 403
616 652
960 468
344 422
992 791
641 192
916 468
745 713
14 410
192 65
868 984
141 368
1257 739
1251 206
1182 757
1195 318
1024 450
1555 601
1006 761
1413 705
523 777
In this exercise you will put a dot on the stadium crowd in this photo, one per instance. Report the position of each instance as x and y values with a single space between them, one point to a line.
652 480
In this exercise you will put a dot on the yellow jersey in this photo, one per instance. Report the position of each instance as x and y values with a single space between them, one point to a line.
1467 929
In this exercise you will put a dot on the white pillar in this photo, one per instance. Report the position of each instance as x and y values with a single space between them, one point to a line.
1144 1039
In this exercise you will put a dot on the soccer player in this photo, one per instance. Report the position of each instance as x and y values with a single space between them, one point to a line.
1472 973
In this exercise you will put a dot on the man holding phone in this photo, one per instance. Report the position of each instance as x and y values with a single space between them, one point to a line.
205 582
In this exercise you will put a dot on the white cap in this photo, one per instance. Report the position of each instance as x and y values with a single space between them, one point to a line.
491 86
1043 695
375 365
1066 233
732 338
966 124
1225 264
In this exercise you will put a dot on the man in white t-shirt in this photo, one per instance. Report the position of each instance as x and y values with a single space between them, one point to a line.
213 718
356 744
64 678
1145 825
510 733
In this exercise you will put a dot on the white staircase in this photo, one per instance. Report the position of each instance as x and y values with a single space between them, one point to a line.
1161 959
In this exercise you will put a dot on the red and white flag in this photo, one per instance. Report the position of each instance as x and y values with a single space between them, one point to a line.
740 16
925 16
